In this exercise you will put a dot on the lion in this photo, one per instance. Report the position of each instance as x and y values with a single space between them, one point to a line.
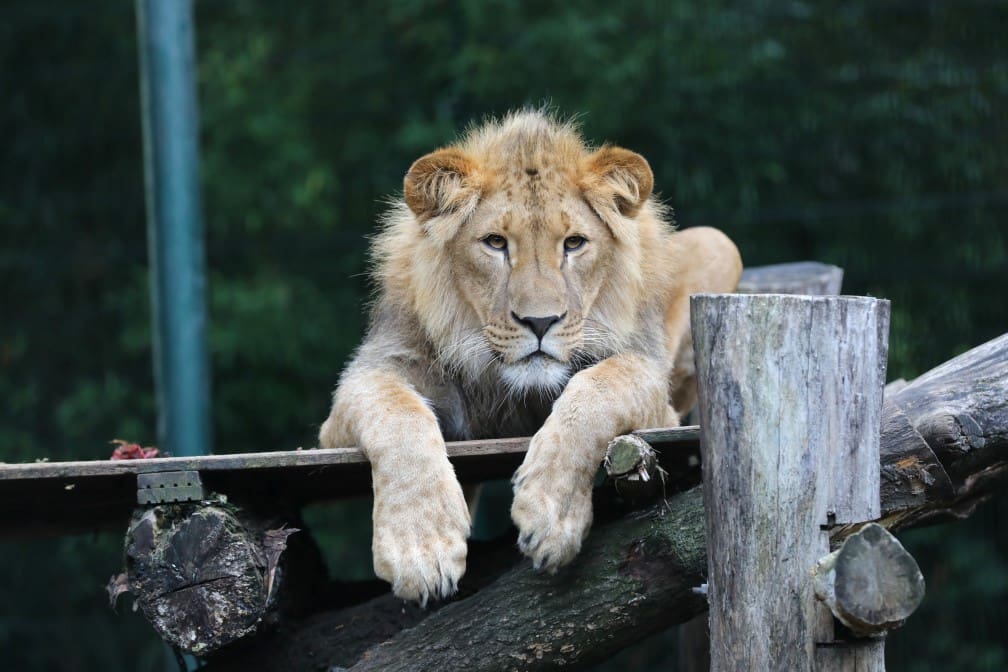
527 284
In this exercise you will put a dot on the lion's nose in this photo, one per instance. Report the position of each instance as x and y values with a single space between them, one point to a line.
538 325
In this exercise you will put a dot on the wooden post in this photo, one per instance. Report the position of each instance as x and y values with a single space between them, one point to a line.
802 277
790 393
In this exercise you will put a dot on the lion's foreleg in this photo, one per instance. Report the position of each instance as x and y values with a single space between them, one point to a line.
420 516
552 504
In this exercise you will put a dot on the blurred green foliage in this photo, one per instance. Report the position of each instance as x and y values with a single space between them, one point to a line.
866 134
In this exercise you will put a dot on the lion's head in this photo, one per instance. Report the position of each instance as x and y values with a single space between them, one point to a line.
521 250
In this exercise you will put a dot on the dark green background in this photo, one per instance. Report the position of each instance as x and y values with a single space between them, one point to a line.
867 134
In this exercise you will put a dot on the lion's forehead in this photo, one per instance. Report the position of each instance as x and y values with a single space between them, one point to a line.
539 185
539 227
523 211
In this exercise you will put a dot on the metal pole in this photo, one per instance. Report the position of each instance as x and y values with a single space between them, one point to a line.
166 42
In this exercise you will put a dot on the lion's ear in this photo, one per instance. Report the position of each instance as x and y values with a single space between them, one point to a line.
439 183
617 177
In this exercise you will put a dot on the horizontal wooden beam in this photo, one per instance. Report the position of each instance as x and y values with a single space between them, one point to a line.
47 498
800 277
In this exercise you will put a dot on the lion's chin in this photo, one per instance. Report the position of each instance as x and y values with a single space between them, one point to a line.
536 373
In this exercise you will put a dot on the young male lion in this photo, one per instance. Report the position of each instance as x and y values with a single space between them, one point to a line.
527 284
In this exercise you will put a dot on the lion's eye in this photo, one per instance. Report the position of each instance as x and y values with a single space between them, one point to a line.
495 241
572 243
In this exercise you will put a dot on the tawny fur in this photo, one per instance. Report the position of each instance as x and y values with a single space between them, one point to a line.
518 228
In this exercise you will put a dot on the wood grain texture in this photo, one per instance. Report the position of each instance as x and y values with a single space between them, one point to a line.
868 656
207 574
631 464
790 396
197 573
809 278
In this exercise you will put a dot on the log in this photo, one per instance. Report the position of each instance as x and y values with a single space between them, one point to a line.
338 637
945 439
632 466
197 596
529 621
208 574
549 606
871 583
790 397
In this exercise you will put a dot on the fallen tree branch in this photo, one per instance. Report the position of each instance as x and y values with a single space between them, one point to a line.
944 449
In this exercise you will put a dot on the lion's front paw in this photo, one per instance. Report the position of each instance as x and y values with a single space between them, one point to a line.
552 502
420 530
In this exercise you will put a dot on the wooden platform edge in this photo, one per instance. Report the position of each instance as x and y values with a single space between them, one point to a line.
56 498
318 457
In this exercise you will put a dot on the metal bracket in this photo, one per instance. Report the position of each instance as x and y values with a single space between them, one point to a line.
161 487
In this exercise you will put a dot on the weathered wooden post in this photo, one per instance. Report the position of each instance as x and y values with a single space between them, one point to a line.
802 277
790 396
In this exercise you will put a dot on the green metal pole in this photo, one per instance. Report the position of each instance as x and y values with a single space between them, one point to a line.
165 33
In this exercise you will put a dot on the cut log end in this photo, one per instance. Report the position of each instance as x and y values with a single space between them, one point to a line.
198 574
632 465
871 584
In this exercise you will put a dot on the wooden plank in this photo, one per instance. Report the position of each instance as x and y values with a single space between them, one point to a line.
790 394
281 459
670 434
41 498
800 277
